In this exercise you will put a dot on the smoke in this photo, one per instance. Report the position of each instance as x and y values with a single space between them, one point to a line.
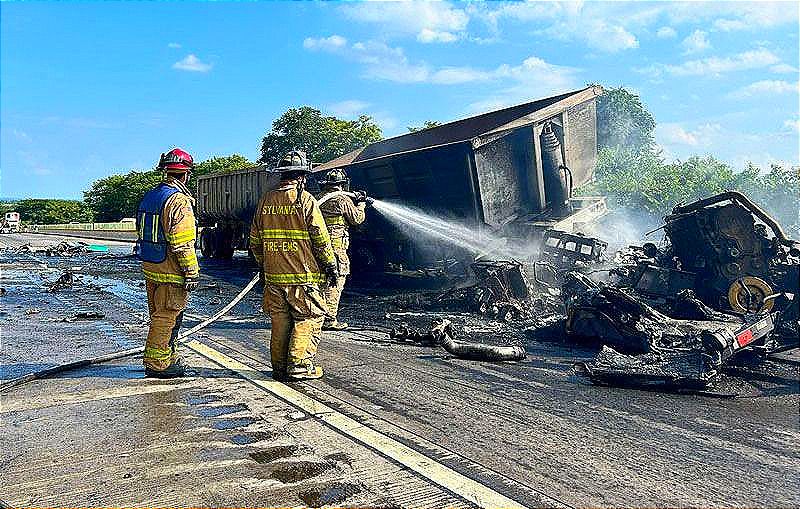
622 227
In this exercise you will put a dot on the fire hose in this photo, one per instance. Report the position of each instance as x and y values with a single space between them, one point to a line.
38 375
61 368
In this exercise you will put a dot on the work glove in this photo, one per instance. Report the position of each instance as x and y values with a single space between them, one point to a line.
190 283
360 196
332 275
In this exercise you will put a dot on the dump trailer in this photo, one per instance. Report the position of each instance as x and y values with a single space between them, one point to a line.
225 206
511 172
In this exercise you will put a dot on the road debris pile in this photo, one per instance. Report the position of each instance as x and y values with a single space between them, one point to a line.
442 333
63 248
495 289
725 279
65 280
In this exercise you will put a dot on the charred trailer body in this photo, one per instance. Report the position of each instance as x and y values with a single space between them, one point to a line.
510 172
225 207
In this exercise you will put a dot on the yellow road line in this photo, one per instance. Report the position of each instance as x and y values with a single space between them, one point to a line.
469 489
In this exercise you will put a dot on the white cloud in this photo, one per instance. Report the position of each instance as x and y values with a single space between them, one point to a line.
348 109
192 64
792 124
716 66
729 25
766 87
696 42
666 33
429 22
427 35
783 69
331 43
174 45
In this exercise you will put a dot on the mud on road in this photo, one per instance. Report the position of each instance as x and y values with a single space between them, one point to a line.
533 430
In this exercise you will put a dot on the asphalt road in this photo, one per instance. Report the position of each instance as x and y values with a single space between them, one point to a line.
534 430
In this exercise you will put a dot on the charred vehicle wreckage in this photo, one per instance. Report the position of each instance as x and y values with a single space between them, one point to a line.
724 280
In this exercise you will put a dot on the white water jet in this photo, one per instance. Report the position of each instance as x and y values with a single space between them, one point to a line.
471 239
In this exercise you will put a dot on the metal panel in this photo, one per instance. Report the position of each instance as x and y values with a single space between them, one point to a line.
232 196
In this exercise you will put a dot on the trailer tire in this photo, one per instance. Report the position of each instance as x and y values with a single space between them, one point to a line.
208 242
223 244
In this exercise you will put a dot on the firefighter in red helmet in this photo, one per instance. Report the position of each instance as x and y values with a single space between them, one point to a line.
166 230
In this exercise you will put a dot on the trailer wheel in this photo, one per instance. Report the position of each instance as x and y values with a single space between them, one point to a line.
223 244
208 242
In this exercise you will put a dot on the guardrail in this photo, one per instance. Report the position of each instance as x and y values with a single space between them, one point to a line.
86 227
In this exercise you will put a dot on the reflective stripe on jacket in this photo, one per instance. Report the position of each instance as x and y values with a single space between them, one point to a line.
178 224
289 238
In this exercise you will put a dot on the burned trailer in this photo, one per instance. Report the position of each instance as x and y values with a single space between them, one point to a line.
225 207
510 172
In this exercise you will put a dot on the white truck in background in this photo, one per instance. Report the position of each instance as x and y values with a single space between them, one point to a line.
10 223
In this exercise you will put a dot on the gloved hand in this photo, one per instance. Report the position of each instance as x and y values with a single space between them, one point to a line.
332 275
361 196
190 283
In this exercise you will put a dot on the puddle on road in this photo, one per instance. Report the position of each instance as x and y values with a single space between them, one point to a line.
240 422
273 453
333 494
339 456
203 399
215 411
250 438
296 471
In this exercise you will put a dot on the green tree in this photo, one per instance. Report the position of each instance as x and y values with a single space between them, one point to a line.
224 164
45 211
322 138
623 121
426 125
117 196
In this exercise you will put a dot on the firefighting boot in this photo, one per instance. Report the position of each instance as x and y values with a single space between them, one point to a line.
175 370
306 371
334 325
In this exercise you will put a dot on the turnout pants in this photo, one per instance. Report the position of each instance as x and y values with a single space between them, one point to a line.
332 296
166 303
296 312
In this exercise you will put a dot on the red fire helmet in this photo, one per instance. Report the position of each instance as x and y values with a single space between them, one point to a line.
177 160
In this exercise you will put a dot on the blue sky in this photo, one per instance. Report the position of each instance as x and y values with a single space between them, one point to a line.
92 89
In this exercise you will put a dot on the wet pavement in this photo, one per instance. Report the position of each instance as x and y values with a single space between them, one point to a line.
534 430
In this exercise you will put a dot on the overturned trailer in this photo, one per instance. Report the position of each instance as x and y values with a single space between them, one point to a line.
511 171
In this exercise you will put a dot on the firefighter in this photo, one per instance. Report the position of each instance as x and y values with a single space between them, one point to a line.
291 244
166 228
340 212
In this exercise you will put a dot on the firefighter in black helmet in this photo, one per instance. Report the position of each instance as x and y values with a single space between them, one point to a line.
340 212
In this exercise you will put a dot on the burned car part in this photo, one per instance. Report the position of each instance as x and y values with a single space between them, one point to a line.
736 263
442 333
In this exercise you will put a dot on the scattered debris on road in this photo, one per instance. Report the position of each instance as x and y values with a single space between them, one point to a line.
66 280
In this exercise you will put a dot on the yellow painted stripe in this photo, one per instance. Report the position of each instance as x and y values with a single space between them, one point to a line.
471 490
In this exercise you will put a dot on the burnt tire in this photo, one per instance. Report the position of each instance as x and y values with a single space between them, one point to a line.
208 242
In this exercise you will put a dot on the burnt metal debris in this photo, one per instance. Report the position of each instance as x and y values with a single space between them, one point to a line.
442 333
725 279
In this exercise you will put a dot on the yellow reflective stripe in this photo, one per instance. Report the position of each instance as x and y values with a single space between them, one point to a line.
161 277
337 242
334 220
322 238
295 279
254 238
279 233
188 260
155 228
141 224
181 237
158 354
